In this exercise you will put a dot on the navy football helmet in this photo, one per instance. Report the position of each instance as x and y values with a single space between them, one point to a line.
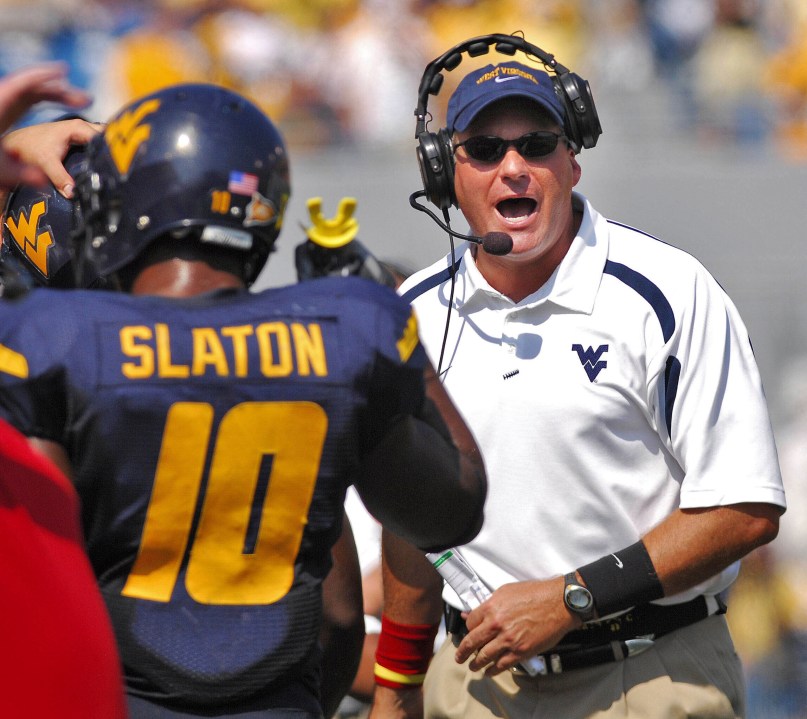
36 249
193 161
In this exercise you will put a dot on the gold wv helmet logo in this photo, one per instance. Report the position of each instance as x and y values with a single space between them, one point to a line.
24 230
126 133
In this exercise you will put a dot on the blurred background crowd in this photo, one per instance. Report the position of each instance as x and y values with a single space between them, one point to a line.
342 75
341 71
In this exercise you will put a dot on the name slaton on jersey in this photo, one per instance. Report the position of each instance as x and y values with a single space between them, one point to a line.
268 349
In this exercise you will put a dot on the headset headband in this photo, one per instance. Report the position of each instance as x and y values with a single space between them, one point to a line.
432 80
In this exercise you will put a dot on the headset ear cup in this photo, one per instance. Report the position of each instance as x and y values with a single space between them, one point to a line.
436 163
582 121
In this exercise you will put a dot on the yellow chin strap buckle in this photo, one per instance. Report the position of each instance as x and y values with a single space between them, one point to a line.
335 232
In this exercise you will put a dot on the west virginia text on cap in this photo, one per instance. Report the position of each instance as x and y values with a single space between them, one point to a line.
482 87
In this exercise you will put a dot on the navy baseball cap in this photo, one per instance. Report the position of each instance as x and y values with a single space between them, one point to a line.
480 88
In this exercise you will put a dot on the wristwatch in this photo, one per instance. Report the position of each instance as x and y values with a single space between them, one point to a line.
577 599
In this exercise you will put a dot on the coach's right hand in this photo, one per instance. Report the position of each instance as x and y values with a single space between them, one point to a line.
519 620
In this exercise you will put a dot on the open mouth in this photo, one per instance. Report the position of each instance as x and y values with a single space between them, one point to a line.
516 208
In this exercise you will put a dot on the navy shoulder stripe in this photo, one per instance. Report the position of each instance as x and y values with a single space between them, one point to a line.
649 291
431 282
672 376
661 306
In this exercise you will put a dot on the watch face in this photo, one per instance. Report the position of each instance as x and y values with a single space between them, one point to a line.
579 598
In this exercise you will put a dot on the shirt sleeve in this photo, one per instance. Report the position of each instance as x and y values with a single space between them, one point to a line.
713 408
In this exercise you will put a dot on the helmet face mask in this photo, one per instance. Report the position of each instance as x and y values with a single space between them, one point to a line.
198 161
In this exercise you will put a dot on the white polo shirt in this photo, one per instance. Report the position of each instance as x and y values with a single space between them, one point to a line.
622 389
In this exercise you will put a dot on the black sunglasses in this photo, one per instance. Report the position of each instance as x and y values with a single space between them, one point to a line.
489 148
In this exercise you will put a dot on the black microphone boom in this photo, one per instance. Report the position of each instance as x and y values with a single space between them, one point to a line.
494 243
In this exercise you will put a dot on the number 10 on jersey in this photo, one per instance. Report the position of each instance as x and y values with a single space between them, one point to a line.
219 570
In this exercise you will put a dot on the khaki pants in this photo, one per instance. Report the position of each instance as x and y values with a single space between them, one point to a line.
693 672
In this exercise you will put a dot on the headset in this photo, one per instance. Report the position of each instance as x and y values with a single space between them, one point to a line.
435 152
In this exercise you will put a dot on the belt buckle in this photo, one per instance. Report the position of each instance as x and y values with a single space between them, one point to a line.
555 666
540 659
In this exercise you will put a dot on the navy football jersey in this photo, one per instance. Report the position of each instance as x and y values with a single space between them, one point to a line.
212 441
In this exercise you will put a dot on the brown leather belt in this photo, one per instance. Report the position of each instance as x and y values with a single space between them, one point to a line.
612 639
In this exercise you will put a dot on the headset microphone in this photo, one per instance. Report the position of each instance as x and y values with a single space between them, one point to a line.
494 243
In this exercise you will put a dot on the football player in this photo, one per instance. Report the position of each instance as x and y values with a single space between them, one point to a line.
212 432
56 632
36 252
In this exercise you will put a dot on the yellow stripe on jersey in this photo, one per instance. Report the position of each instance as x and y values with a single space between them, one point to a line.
409 339
13 363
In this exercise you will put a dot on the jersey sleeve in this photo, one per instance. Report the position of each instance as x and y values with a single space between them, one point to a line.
30 379
395 384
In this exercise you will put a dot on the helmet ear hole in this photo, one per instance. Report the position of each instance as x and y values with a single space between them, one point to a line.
113 215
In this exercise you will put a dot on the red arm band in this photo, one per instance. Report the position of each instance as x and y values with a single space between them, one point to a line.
403 654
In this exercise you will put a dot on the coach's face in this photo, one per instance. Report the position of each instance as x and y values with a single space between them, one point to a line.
529 199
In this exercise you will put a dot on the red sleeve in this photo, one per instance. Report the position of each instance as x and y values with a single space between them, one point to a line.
59 655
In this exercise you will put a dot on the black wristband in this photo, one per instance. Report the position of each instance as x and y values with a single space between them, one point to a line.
622 580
